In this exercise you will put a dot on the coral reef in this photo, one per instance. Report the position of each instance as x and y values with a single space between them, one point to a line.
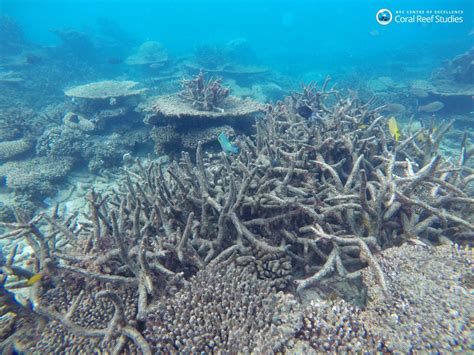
190 139
172 108
164 137
429 308
12 149
236 52
79 122
199 112
98 152
451 84
308 200
105 90
243 74
229 310
61 142
74 42
151 54
460 69
34 176
205 95
337 327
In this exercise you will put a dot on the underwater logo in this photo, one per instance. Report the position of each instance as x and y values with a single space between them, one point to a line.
383 17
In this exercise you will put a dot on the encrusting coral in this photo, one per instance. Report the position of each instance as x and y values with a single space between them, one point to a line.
306 201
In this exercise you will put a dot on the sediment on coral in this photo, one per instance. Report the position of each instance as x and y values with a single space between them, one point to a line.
308 199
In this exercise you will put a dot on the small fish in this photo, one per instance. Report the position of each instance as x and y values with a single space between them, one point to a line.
34 279
393 128
434 106
395 108
374 33
226 145
304 111
362 126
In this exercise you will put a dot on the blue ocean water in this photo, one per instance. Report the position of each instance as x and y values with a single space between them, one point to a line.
294 36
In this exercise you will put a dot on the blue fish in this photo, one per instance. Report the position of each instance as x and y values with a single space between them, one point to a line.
226 145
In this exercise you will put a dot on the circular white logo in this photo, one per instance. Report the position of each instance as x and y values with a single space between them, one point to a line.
384 17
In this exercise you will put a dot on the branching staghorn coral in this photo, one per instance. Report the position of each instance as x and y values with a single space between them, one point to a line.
206 95
305 201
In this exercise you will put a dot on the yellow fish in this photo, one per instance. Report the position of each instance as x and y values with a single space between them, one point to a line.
33 279
393 128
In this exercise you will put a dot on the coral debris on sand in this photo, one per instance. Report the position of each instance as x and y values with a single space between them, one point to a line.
314 196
